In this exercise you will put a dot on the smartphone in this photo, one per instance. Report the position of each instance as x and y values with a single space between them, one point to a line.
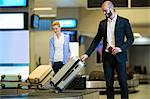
110 49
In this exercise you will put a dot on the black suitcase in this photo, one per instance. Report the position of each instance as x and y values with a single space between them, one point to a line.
78 83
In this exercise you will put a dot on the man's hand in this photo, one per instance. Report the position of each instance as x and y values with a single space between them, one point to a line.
84 57
116 50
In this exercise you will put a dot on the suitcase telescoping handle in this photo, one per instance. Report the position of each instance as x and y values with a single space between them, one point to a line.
82 61
78 59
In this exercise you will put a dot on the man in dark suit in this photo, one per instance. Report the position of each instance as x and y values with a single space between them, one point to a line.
113 30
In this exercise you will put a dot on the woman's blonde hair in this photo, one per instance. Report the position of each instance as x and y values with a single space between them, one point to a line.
55 23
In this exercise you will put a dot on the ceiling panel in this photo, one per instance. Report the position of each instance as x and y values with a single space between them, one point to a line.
55 4
60 3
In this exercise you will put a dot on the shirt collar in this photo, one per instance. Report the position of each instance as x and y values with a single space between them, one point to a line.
61 36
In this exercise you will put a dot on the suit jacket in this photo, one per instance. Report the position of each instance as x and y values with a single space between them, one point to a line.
122 30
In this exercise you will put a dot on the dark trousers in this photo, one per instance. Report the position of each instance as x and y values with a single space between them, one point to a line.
57 66
111 64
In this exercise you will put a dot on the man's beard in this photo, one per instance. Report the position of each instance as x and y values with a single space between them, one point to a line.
109 15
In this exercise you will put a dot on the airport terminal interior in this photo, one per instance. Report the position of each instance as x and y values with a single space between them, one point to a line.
25 32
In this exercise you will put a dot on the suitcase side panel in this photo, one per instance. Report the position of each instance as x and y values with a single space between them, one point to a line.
69 71
10 85
48 78
70 77
49 74
43 76
43 82
11 78
62 71
39 74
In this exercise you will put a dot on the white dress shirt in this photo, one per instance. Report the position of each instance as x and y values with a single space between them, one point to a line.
111 31
58 44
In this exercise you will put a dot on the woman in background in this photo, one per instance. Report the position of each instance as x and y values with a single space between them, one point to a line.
59 47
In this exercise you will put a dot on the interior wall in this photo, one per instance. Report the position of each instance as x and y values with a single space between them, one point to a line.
139 19
68 12
39 47
140 56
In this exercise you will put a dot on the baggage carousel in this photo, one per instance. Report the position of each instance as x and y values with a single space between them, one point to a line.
101 85
48 94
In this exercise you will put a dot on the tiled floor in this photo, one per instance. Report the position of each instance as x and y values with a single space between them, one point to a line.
143 93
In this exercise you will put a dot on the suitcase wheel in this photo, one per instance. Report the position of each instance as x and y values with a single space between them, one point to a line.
51 83
36 80
27 81
19 76
58 90
29 86
19 86
39 86
2 77
3 86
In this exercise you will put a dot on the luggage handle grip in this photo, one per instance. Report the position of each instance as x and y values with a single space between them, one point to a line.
82 61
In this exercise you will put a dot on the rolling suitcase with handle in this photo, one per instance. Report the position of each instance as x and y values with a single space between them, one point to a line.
40 76
67 74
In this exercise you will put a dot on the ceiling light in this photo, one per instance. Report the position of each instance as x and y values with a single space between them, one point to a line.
48 15
42 9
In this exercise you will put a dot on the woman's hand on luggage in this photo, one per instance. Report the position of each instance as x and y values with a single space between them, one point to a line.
84 57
